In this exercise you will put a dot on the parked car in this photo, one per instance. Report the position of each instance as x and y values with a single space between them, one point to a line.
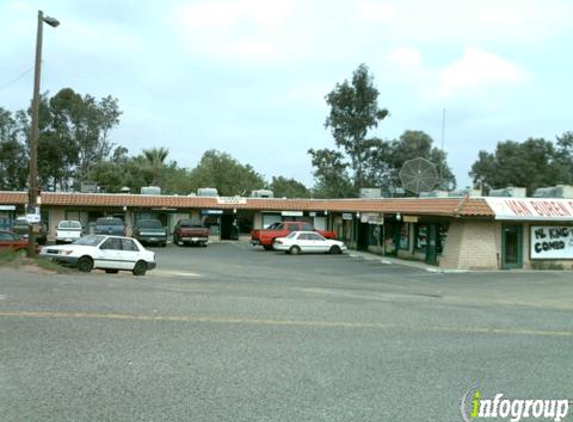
68 231
111 226
266 237
20 227
187 232
150 231
12 241
308 241
109 253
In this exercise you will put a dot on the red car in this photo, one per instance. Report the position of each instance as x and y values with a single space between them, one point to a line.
266 237
11 241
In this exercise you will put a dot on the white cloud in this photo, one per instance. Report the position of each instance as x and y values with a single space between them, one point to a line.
478 70
465 22
405 58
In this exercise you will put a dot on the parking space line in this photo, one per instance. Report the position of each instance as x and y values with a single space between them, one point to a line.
271 322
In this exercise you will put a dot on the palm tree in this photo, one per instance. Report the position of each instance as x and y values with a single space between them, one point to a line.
155 160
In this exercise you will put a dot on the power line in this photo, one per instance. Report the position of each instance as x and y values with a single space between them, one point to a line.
17 78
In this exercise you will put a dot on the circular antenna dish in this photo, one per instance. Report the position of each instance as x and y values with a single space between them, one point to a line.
418 175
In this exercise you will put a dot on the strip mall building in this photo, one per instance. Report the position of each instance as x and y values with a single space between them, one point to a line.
462 233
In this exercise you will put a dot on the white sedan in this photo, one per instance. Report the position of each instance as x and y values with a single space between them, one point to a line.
109 253
308 241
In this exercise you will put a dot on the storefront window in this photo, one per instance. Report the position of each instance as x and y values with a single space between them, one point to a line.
421 237
405 236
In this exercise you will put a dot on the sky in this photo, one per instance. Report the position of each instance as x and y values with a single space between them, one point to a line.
249 77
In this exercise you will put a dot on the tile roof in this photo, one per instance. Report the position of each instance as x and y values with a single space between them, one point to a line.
475 207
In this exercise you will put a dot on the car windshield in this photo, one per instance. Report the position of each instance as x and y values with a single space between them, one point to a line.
105 221
150 224
69 225
92 240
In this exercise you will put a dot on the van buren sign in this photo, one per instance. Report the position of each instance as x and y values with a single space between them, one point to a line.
531 209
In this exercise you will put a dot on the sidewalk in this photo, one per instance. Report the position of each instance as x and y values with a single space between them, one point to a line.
396 261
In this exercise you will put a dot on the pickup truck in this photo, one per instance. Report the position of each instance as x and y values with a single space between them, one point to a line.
266 237
111 226
68 231
189 232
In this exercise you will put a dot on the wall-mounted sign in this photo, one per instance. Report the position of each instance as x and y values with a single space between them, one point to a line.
372 218
532 209
410 218
33 214
292 213
211 212
7 207
312 214
347 216
231 200
551 242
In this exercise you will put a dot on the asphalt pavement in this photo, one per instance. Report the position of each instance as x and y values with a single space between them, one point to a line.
234 333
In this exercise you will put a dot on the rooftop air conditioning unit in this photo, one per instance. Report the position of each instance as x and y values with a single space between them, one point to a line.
509 192
262 193
207 192
434 194
559 191
151 190
370 193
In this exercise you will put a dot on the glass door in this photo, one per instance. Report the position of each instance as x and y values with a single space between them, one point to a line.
511 247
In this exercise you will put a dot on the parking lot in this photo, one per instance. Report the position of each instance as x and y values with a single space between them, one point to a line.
234 333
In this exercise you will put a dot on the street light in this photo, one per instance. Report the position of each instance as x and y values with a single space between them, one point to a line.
33 184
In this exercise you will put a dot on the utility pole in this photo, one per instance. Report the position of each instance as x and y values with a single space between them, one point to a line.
33 183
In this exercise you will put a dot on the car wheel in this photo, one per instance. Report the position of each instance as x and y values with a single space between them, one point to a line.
140 268
111 271
294 250
85 264
335 250
268 247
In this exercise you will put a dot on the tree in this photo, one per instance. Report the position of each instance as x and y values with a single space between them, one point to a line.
155 161
331 174
531 164
289 188
353 112
13 154
221 171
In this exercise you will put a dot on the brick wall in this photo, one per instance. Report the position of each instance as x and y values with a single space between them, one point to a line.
472 245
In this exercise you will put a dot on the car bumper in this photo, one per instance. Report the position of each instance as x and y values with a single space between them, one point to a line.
152 239
194 239
151 265
255 242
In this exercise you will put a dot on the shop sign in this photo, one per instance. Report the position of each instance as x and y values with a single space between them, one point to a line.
347 216
7 207
551 242
231 200
540 209
410 219
292 213
372 218
211 212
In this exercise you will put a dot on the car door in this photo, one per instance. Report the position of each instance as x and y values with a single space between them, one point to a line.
6 240
130 254
109 254
304 242
318 243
